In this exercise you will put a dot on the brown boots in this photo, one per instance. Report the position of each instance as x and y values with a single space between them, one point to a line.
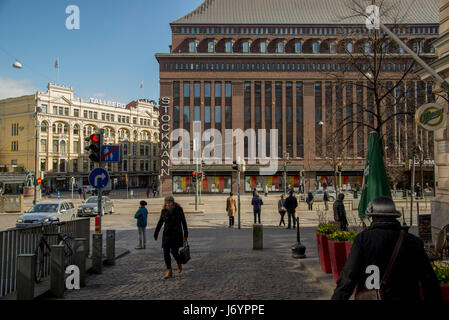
179 268
169 274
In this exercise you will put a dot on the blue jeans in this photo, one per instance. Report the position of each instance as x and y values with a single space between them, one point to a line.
256 214
167 258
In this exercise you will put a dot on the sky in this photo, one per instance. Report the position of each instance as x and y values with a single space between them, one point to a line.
108 57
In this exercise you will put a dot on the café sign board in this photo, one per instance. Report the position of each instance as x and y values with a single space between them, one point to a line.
431 116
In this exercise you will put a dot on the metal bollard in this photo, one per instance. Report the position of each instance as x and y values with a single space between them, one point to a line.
57 271
25 276
110 247
97 253
79 260
257 236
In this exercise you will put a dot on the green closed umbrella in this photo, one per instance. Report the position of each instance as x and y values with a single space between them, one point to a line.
375 182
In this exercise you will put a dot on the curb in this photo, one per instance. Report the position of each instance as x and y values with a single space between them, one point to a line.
312 266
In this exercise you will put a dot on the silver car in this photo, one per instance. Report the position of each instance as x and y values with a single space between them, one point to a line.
90 207
318 195
47 212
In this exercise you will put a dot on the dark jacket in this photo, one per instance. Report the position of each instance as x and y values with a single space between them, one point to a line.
141 216
326 196
291 203
340 212
374 246
281 203
309 198
257 203
174 223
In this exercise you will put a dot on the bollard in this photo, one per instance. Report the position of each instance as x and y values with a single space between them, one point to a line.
79 259
25 276
110 247
97 252
57 271
257 236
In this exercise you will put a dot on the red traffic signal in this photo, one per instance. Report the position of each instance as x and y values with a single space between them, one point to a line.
39 181
94 147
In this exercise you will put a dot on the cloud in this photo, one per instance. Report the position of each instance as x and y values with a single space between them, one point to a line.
10 88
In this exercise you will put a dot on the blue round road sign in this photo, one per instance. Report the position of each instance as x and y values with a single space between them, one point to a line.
99 178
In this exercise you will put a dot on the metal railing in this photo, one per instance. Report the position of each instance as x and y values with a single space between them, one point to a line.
14 242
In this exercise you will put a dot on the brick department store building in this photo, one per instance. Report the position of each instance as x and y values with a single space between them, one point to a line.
233 66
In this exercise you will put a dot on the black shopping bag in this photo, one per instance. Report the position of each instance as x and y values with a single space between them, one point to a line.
184 253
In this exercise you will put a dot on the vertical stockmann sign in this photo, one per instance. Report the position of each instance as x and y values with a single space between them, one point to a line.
164 104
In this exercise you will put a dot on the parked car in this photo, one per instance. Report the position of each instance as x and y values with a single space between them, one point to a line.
90 207
47 212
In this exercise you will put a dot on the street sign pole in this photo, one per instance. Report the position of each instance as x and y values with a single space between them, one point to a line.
100 189
238 190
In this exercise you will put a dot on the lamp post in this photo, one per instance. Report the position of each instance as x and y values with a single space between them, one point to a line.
36 151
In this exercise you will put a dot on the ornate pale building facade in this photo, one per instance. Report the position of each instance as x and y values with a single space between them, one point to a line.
63 123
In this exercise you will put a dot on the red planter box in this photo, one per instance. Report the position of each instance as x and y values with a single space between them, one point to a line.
445 291
348 247
337 253
323 252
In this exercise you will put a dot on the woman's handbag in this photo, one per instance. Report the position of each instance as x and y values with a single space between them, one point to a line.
377 294
184 253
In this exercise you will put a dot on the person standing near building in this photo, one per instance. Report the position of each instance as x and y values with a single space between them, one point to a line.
266 190
257 203
340 213
80 191
291 203
148 192
309 200
141 216
175 232
231 207
154 190
281 209
410 270
326 199
84 193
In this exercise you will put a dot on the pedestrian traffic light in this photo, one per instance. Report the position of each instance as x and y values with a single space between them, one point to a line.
94 147
194 176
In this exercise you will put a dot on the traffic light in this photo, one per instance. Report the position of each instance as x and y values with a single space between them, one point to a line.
194 177
39 181
94 147
235 166
338 167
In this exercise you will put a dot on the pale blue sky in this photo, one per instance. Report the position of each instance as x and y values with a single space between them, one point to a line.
108 57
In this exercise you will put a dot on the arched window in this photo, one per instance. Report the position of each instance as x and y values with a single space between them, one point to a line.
76 130
63 147
44 127
59 128
66 129
54 127
350 47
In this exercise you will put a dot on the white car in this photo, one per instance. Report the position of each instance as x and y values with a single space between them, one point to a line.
47 212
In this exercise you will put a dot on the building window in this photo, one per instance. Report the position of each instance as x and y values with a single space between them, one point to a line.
76 147
263 47
350 47
245 46
211 47
367 47
228 47
192 46
315 47
280 47
44 127
207 114
43 145
333 47
197 113
43 165
298 46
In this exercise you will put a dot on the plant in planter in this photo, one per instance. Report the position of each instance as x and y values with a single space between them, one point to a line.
350 237
337 252
442 273
323 230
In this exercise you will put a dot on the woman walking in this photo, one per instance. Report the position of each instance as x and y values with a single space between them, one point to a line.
175 231
141 216
309 200
231 207
281 209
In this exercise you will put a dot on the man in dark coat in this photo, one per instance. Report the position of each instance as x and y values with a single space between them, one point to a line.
340 213
174 221
291 203
257 203
374 247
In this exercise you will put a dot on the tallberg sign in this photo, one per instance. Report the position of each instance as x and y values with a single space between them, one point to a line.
431 116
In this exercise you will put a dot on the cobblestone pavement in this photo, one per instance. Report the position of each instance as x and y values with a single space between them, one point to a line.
223 267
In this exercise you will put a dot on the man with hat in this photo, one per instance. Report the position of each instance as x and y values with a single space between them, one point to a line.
374 247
